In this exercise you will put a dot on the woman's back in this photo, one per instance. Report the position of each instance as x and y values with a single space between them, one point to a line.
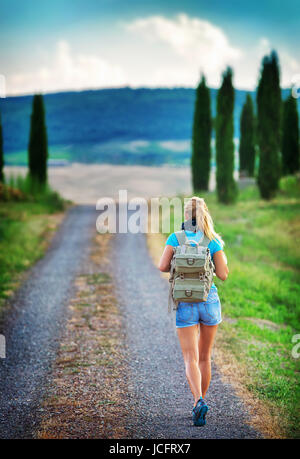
214 245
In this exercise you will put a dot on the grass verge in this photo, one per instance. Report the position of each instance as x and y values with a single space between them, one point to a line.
27 224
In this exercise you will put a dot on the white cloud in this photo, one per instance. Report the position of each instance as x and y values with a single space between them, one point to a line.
67 72
247 71
198 44
157 52
290 67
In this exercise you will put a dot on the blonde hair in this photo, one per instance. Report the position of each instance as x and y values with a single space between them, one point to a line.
196 208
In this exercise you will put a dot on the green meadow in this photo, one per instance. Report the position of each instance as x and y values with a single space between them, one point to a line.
26 223
260 298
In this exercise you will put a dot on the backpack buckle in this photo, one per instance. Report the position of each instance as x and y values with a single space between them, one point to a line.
188 292
190 261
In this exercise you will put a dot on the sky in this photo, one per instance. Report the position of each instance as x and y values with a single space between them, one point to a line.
56 45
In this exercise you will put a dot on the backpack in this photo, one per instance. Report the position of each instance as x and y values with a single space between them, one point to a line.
191 273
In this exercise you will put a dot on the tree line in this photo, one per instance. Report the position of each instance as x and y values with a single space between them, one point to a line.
37 145
269 138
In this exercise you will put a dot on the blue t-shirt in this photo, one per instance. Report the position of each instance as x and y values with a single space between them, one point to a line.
214 245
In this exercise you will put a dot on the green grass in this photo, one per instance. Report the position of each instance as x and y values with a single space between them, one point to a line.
24 226
20 158
261 294
33 192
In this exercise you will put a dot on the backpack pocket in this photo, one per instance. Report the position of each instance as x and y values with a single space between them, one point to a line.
190 263
189 291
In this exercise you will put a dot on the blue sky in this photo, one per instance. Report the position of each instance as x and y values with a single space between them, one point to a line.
78 44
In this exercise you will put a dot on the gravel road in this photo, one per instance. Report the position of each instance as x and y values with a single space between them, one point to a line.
160 396
35 324
160 400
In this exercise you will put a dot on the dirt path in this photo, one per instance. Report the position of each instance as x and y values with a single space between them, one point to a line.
158 396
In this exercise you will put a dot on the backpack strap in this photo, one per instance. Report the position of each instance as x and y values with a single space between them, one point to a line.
171 303
181 237
205 241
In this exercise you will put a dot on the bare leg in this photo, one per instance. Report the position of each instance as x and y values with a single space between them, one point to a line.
206 340
188 338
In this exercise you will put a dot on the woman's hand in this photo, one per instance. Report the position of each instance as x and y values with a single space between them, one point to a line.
220 262
165 261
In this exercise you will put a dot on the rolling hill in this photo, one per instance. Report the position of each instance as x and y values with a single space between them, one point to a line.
119 126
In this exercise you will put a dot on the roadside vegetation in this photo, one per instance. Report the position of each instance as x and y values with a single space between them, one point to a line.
260 298
29 209
29 214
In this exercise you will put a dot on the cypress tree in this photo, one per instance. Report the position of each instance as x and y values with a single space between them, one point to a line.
37 148
226 186
1 154
268 114
247 145
201 140
290 137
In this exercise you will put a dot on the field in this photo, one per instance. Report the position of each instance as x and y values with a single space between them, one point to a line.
86 183
117 126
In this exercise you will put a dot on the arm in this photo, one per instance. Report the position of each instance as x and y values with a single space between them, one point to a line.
220 262
165 261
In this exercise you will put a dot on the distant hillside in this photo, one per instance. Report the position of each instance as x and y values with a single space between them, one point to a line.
124 125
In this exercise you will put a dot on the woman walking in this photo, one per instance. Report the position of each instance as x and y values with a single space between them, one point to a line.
197 323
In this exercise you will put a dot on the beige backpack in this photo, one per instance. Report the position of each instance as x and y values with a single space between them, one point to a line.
191 273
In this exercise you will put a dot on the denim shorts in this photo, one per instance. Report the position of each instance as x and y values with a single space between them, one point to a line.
207 312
